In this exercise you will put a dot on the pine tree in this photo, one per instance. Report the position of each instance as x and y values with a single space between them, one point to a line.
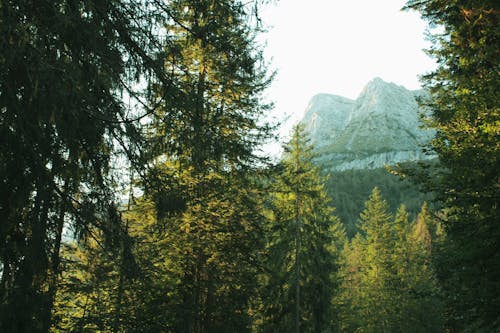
418 298
349 300
376 265
465 112
389 284
65 66
202 179
303 246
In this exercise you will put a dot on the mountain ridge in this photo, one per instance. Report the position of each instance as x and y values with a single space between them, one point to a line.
380 127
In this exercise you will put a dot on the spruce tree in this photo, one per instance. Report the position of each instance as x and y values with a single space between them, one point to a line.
464 106
418 296
377 292
389 283
67 71
64 68
303 246
349 300
202 154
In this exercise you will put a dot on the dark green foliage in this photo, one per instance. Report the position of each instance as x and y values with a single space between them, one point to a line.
202 146
213 121
195 270
173 90
304 240
389 283
349 190
466 114
63 67
67 69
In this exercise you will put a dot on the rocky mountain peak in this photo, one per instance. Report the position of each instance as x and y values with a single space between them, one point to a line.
380 127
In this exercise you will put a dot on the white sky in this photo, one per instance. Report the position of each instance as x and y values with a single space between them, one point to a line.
337 46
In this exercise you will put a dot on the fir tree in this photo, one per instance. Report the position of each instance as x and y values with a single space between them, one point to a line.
376 266
203 161
389 284
303 246
465 108
66 72
64 68
419 301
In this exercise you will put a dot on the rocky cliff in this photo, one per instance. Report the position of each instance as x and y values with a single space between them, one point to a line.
381 127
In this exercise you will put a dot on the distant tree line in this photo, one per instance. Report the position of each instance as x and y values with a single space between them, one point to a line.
350 188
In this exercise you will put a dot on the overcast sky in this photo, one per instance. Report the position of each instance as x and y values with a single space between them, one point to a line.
337 46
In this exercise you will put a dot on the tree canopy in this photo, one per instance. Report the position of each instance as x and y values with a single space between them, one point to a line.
465 112
133 197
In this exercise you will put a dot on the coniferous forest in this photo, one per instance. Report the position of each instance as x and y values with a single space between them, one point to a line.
134 196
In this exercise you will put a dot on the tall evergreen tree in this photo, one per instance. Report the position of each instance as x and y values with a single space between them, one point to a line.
348 300
466 114
203 156
377 292
303 246
214 120
63 68
389 284
418 297
67 68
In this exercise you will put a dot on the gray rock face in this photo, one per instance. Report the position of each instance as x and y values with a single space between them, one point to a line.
381 127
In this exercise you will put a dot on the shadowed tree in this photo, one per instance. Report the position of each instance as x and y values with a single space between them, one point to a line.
465 111
64 68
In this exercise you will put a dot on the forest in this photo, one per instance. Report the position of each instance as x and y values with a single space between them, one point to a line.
135 195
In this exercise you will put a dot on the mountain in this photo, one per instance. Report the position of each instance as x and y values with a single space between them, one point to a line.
381 127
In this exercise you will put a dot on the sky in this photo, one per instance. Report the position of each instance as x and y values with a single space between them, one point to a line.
337 47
